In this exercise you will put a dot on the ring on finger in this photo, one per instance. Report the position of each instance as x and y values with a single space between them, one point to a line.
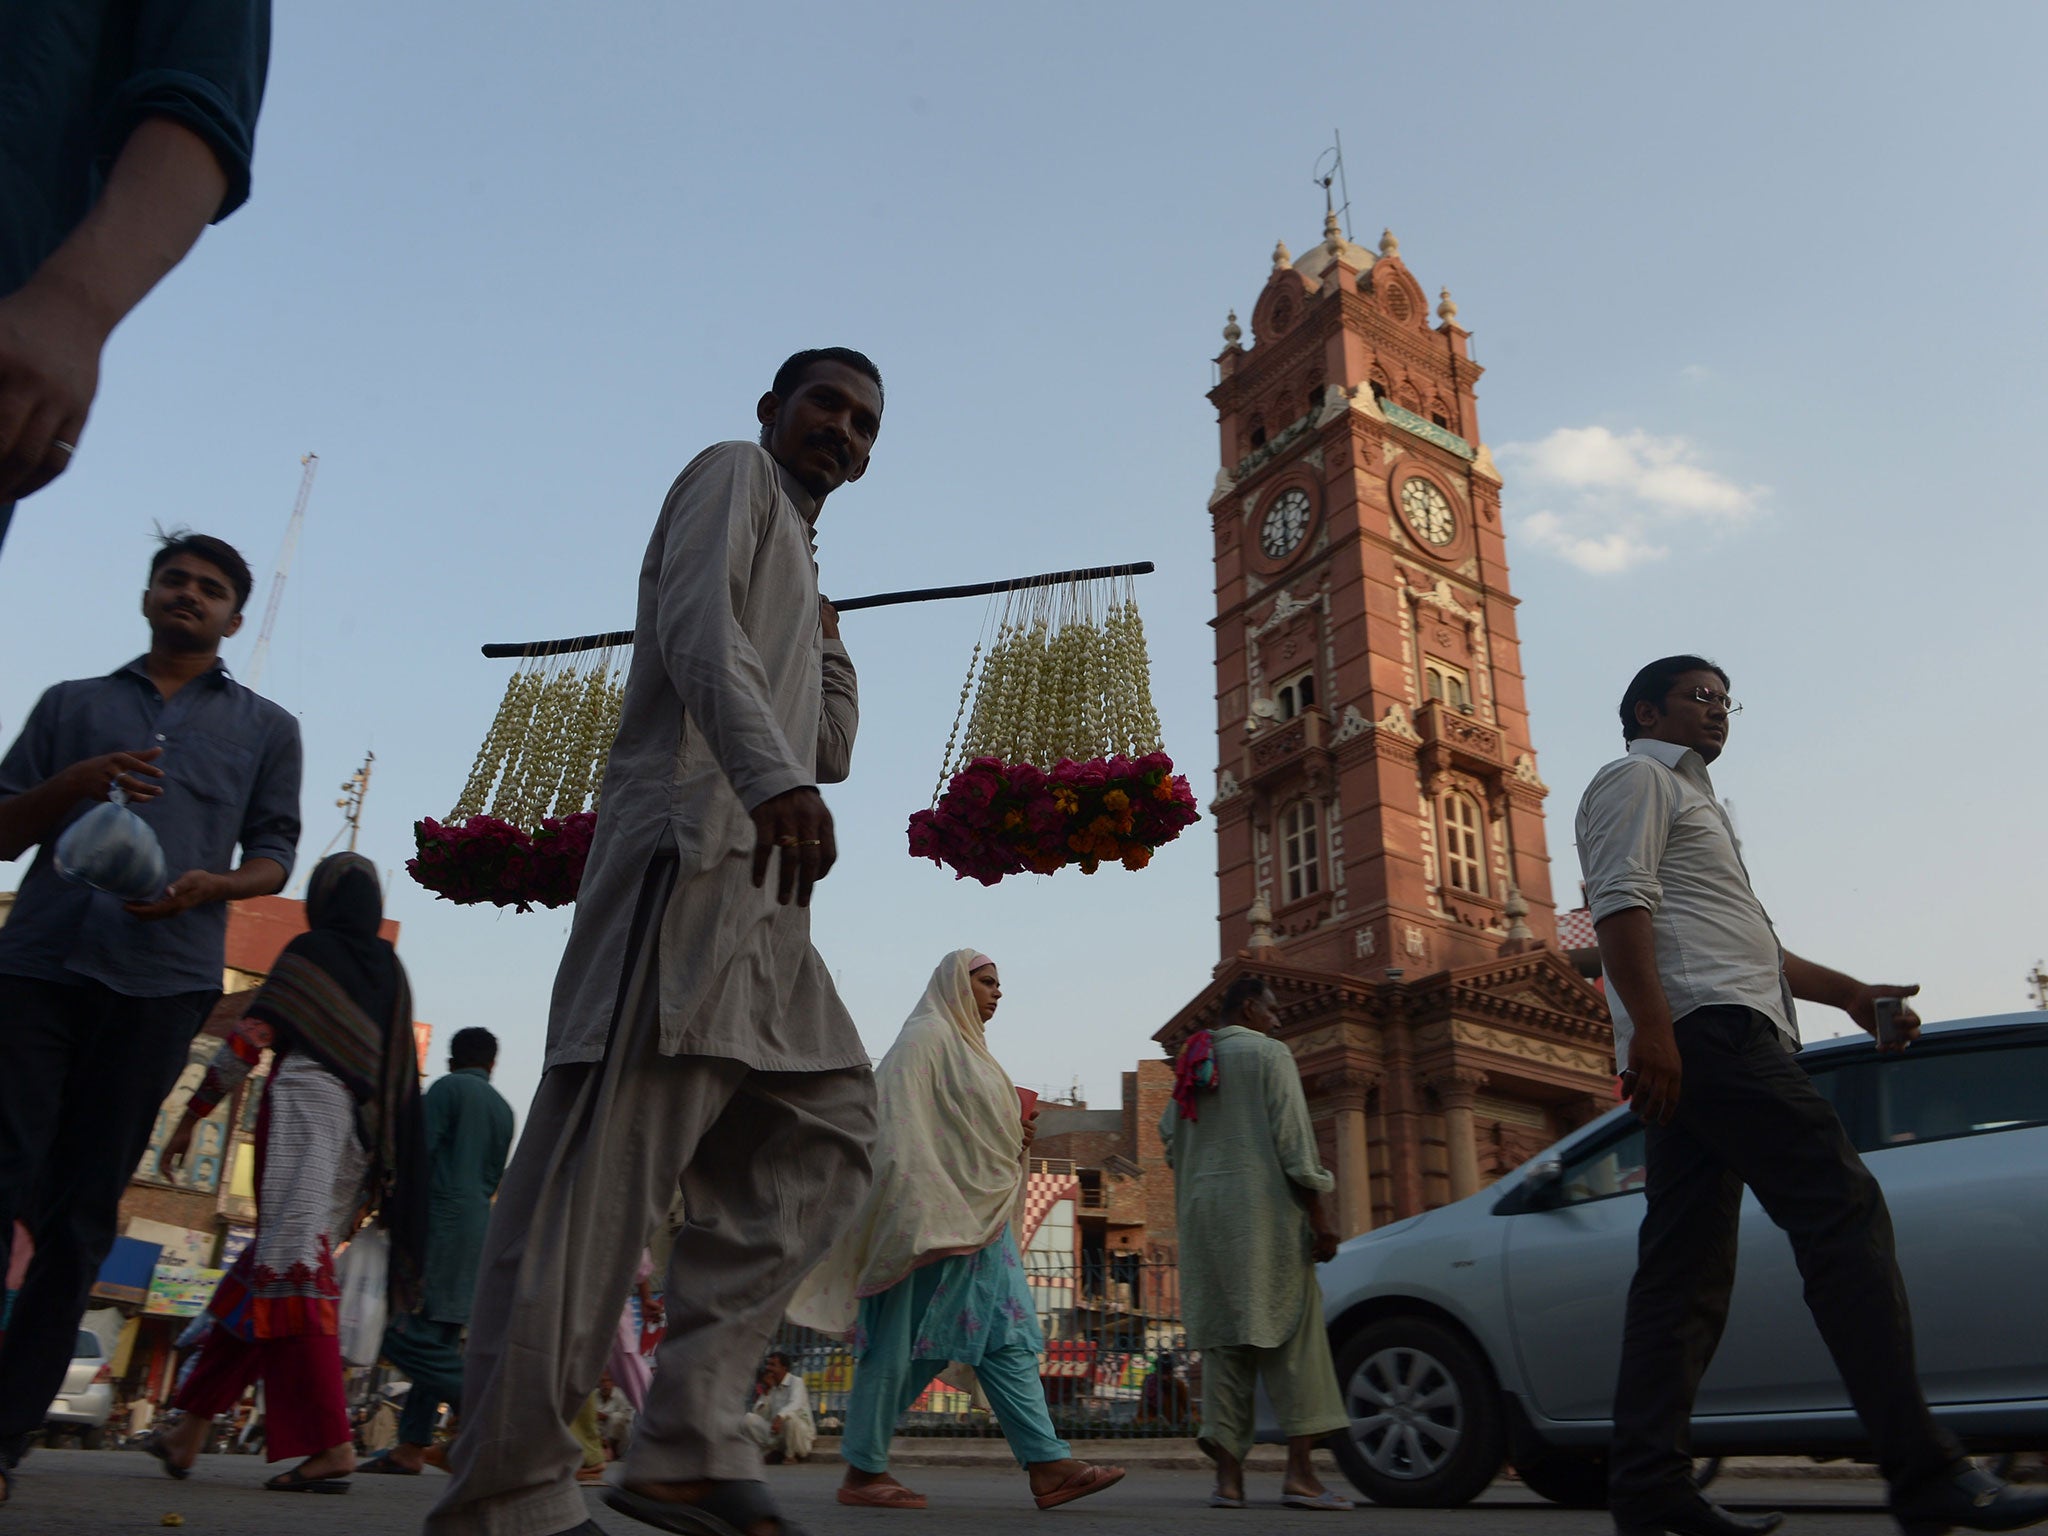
811 842
785 842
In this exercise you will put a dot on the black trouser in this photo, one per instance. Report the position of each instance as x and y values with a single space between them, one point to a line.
1747 1114
83 1072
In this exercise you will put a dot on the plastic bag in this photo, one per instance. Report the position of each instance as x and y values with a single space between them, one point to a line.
363 1271
112 849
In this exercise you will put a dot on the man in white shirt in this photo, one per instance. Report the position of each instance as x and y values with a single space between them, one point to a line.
1702 995
781 1423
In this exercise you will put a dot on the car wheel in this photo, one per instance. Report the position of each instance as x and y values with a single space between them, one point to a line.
1426 1426
93 1439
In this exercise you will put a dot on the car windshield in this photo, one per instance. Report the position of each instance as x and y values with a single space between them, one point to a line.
87 1347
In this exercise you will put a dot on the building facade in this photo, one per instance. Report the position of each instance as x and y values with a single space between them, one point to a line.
1381 854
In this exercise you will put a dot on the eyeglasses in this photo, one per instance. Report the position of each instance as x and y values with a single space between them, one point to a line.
1713 696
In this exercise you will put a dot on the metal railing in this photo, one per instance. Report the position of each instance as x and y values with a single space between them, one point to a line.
1116 1363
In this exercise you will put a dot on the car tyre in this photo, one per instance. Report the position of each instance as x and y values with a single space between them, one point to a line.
1426 1429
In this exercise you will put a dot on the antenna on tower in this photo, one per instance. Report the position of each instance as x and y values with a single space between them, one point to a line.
284 564
1329 173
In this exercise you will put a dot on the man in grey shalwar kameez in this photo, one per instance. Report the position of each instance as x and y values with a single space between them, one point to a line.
1248 1195
695 1036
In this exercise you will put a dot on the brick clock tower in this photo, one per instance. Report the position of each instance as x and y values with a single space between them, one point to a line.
1379 816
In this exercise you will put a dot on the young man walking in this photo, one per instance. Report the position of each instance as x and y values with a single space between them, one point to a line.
100 999
695 1037
1702 995
469 1134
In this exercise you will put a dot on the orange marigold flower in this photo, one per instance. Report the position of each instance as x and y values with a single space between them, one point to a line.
1137 856
1116 801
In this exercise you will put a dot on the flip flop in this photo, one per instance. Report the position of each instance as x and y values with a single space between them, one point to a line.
156 1448
293 1482
1221 1500
1090 1479
881 1496
382 1462
1327 1499
728 1509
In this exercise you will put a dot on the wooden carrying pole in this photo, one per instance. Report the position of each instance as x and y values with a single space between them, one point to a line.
851 605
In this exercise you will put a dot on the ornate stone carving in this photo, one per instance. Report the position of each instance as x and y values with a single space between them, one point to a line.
1529 1048
1353 725
1363 943
1525 772
1482 464
1457 1087
1225 482
1226 789
1395 722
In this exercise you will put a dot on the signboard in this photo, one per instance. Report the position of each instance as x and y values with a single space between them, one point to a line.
179 1290
125 1275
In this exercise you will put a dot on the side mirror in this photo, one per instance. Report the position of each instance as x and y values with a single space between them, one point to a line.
1539 1190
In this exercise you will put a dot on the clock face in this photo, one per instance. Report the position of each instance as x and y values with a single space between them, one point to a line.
1286 524
1428 512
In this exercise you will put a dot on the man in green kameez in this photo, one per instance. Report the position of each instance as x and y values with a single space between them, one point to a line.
1248 1188
469 1135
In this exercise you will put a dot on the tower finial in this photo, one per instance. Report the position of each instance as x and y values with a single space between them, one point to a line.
1333 231
1389 246
1282 257
1446 311
1232 334
1260 916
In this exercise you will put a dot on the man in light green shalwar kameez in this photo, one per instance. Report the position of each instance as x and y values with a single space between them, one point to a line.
1249 1193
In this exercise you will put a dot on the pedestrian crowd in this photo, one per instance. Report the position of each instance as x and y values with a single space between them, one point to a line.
697 1049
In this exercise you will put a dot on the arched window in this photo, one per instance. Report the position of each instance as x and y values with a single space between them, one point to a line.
1464 842
1301 850
1296 696
1448 683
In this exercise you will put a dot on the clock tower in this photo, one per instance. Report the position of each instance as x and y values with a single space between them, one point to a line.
1379 814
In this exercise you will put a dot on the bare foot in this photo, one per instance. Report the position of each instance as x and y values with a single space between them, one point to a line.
410 1457
1048 1475
1229 1470
182 1441
335 1461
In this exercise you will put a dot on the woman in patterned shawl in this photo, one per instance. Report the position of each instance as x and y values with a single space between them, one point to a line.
340 1136
928 1276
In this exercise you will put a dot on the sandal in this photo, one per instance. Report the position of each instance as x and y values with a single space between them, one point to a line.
727 1509
881 1496
382 1462
155 1446
1327 1499
296 1481
1089 1479
1221 1500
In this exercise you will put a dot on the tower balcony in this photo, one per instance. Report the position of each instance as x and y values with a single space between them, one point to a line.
1453 737
1293 748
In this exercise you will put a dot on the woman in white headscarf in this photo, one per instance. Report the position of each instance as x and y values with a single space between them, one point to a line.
928 1276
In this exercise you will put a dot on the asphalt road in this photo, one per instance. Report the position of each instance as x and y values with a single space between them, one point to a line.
123 1493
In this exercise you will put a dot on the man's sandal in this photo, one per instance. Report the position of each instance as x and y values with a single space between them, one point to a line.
727 1509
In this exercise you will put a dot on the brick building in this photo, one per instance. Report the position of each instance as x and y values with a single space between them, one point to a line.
1381 850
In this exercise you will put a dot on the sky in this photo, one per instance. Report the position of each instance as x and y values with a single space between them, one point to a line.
1757 290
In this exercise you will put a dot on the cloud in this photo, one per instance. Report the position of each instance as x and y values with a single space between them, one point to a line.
1609 501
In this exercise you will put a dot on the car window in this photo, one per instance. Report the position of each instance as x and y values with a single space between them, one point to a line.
87 1347
1611 1165
1934 1095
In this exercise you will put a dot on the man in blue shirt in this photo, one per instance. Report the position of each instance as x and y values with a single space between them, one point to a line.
100 999
126 127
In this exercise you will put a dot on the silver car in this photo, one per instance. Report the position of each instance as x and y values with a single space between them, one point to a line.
86 1399
1489 1331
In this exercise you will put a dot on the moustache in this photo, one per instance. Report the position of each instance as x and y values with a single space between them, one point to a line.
832 444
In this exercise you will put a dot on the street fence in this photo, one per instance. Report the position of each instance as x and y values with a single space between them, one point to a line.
1116 1363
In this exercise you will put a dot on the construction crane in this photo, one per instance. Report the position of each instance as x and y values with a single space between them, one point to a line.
284 564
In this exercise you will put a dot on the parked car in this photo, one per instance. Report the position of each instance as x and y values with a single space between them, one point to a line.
86 1399
1490 1330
